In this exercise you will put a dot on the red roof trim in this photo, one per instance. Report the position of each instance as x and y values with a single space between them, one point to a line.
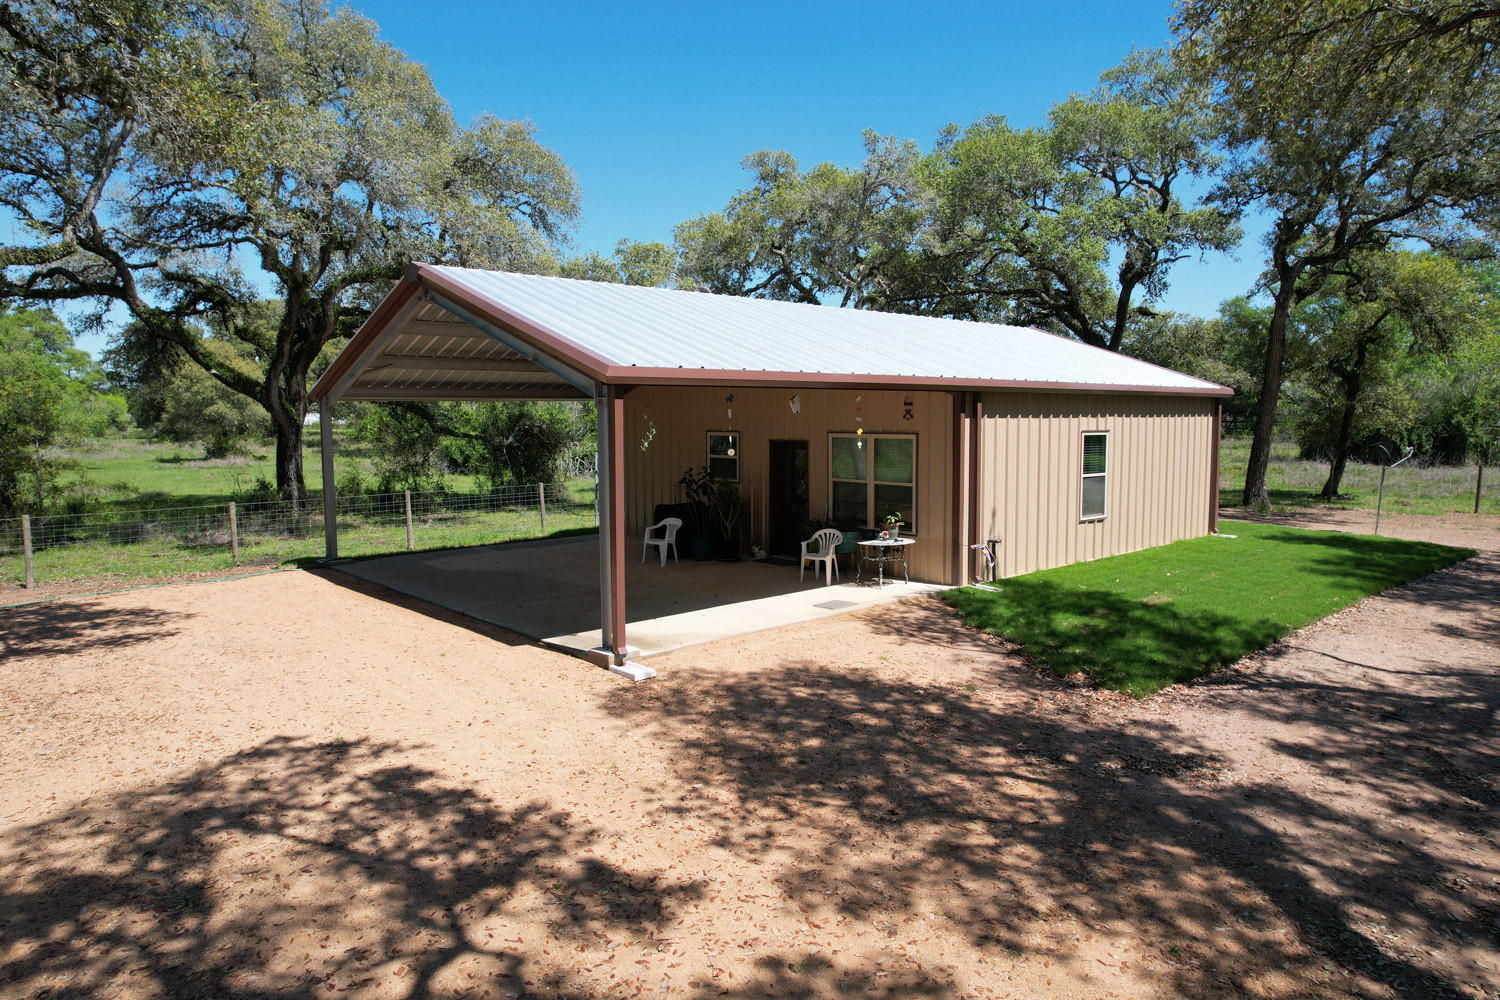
629 375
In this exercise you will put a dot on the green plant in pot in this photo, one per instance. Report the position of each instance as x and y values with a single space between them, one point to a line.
729 508
850 527
698 487
893 519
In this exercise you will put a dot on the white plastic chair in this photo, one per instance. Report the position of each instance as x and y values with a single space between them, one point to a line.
667 540
828 539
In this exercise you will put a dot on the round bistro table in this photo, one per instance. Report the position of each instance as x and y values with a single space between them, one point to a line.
882 551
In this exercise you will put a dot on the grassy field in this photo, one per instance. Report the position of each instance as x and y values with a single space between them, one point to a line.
162 554
136 473
1295 482
1142 621
161 511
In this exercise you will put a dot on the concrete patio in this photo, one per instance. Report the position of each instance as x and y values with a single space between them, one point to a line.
549 590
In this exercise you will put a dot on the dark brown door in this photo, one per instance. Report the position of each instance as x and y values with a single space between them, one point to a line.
788 496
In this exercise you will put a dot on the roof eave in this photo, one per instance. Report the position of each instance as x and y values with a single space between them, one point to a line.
632 375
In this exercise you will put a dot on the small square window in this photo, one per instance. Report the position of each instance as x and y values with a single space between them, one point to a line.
724 454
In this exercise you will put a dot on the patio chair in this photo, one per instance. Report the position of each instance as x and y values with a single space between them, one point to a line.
668 539
828 540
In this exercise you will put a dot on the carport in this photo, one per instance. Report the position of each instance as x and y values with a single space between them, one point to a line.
446 335
439 336
436 338
545 590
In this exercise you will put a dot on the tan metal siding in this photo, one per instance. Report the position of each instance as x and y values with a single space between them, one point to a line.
1031 448
684 416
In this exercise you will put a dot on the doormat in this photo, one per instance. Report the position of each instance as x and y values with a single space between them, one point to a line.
779 561
836 605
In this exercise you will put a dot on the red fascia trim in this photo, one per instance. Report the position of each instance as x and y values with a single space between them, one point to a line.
822 380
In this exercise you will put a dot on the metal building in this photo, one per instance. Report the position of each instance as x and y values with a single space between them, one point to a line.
1043 449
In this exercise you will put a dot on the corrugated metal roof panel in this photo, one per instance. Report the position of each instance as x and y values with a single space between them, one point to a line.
693 331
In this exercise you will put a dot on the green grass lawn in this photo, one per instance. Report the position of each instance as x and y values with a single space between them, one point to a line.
1142 621
1295 482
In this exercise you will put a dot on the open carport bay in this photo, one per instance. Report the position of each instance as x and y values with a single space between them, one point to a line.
549 590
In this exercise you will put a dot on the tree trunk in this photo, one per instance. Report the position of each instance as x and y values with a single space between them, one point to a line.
1256 496
1345 440
1340 450
290 483
286 391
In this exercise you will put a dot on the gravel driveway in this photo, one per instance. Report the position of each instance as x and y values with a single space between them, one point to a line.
302 786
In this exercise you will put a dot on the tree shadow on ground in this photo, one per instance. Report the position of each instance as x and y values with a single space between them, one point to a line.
53 628
302 869
904 797
1128 644
1369 563
1466 591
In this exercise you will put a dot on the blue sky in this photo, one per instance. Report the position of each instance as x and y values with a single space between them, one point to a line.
654 105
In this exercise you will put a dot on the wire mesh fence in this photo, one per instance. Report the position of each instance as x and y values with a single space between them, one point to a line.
114 548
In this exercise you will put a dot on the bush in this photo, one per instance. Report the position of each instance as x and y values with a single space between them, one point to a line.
516 444
352 483
408 453
196 407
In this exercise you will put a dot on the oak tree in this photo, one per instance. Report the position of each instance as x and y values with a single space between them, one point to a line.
176 158
1356 127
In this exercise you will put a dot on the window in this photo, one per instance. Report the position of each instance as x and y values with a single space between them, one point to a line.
871 473
1095 474
724 454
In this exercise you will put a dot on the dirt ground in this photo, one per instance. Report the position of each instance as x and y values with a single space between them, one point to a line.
302 786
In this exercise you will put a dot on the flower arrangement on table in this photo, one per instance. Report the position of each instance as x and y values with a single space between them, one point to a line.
893 521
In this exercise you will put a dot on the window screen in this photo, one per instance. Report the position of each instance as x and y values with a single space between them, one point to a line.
1095 475
724 454
871 473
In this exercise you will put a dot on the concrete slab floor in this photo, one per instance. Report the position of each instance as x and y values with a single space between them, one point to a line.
549 590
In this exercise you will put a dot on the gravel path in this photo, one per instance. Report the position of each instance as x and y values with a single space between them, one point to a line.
304 786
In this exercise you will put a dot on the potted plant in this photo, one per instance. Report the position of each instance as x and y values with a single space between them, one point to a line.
892 520
728 507
850 527
698 488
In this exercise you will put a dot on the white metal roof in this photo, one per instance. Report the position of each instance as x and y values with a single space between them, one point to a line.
620 333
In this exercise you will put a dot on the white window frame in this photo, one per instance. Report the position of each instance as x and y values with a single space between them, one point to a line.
870 482
709 456
1082 457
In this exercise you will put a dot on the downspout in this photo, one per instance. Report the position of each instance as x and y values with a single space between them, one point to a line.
976 472
962 493
1216 445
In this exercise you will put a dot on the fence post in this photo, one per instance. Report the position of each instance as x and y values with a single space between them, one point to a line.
541 499
411 545
1478 485
234 536
26 550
